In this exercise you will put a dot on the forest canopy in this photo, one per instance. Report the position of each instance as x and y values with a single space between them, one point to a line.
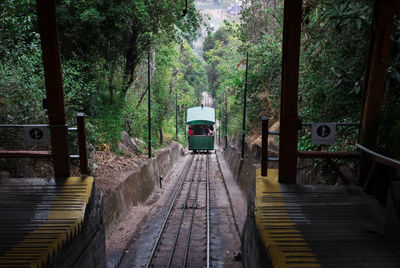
105 47
333 58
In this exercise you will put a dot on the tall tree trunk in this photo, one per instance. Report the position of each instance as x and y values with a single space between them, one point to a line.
110 83
161 136
131 58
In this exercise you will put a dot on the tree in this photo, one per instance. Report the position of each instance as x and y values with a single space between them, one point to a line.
21 84
335 41
178 71
158 17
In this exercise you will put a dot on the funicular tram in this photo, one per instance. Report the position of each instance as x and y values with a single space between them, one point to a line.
201 122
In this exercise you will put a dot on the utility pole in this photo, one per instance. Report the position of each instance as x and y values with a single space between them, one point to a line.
244 107
219 126
226 120
176 116
184 121
149 102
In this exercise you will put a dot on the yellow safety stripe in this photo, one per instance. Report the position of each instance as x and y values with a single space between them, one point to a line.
284 243
63 223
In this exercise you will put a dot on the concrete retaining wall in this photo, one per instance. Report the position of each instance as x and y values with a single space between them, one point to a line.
245 170
254 253
232 158
253 249
137 187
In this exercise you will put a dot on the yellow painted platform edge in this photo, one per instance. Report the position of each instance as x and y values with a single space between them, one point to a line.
278 258
56 244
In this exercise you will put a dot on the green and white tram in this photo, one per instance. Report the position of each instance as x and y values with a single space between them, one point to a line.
201 122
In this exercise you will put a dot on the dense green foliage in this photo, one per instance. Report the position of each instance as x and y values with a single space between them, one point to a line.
225 72
335 45
259 34
179 76
332 66
334 49
21 84
104 47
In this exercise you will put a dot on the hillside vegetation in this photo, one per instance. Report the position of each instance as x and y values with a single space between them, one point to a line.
334 50
105 47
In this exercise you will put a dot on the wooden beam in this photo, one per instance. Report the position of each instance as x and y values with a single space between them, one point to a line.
54 86
328 155
381 28
25 154
382 24
289 92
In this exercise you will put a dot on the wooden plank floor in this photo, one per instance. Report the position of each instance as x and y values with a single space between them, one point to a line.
38 217
321 226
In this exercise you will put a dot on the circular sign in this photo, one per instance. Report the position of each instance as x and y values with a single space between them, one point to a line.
36 134
323 131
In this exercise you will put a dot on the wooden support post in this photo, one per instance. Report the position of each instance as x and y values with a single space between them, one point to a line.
289 92
54 86
83 160
264 146
381 28
382 25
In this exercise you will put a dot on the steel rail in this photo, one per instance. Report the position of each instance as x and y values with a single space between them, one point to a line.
186 171
194 206
182 216
208 212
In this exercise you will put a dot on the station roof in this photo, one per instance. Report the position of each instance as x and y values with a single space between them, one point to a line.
200 115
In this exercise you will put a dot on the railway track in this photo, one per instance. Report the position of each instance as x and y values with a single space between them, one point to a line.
184 238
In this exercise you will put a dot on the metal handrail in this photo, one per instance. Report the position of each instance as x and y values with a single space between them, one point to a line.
46 154
264 147
38 153
380 158
23 125
310 124
36 125
337 124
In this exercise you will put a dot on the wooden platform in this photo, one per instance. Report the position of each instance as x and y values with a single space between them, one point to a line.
321 226
38 217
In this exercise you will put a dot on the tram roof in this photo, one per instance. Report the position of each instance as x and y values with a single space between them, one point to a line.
200 115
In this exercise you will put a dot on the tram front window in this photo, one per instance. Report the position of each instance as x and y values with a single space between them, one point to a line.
201 130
